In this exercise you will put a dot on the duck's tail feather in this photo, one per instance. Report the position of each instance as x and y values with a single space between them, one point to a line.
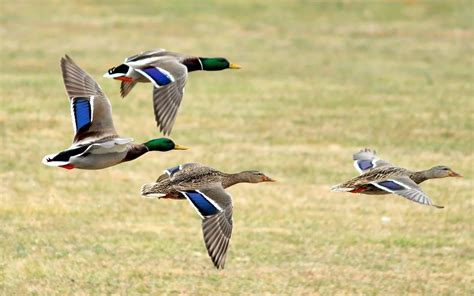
148 191
49 161
341 188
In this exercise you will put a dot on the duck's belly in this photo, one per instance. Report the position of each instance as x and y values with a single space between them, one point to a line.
98 161
372 190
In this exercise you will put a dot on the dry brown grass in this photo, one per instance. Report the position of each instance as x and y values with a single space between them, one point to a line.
320 80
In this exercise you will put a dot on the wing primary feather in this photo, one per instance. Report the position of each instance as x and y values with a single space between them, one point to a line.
217 231
126 87
88 103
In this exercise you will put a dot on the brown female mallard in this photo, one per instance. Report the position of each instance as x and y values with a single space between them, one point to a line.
380 177
204 187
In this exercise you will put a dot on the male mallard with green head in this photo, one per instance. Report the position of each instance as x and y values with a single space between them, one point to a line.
380 177
204 187
168 72
96 144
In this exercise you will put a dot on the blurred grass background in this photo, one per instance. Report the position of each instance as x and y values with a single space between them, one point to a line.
320 80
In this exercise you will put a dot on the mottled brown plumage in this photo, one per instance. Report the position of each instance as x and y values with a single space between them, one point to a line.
380 177
194 176
204 187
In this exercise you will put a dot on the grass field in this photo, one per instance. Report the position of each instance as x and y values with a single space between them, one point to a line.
320 81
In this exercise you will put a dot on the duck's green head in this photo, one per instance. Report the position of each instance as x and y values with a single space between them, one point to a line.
217 64
163 144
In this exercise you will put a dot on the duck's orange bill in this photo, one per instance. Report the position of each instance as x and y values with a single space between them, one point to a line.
454 174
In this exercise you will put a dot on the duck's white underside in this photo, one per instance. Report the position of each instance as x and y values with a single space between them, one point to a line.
100 155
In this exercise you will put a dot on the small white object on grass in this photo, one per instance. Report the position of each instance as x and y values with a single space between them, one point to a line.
385 219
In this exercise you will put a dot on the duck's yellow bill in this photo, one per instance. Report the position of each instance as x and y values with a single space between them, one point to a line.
234 66
178 147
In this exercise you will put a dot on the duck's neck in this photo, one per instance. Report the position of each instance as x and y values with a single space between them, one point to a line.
193 64
135 151
232 179
420 176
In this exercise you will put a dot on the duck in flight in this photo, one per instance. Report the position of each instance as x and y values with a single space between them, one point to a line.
168 72
96 144
380 177
204 188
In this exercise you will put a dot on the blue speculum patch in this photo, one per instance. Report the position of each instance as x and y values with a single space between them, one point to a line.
391 185
82 112
365 164
173 170
158 76
201 203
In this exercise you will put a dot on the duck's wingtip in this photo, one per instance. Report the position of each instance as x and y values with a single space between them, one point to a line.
65 58
166 131
364 153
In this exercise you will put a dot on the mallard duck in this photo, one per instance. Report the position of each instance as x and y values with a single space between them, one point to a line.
380 177
168 72
96 144
204 187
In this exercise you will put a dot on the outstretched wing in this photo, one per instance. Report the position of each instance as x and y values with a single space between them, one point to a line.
126 87
169 79
366 159
217 231
406 188
145 55
90 109
167 96
214 205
